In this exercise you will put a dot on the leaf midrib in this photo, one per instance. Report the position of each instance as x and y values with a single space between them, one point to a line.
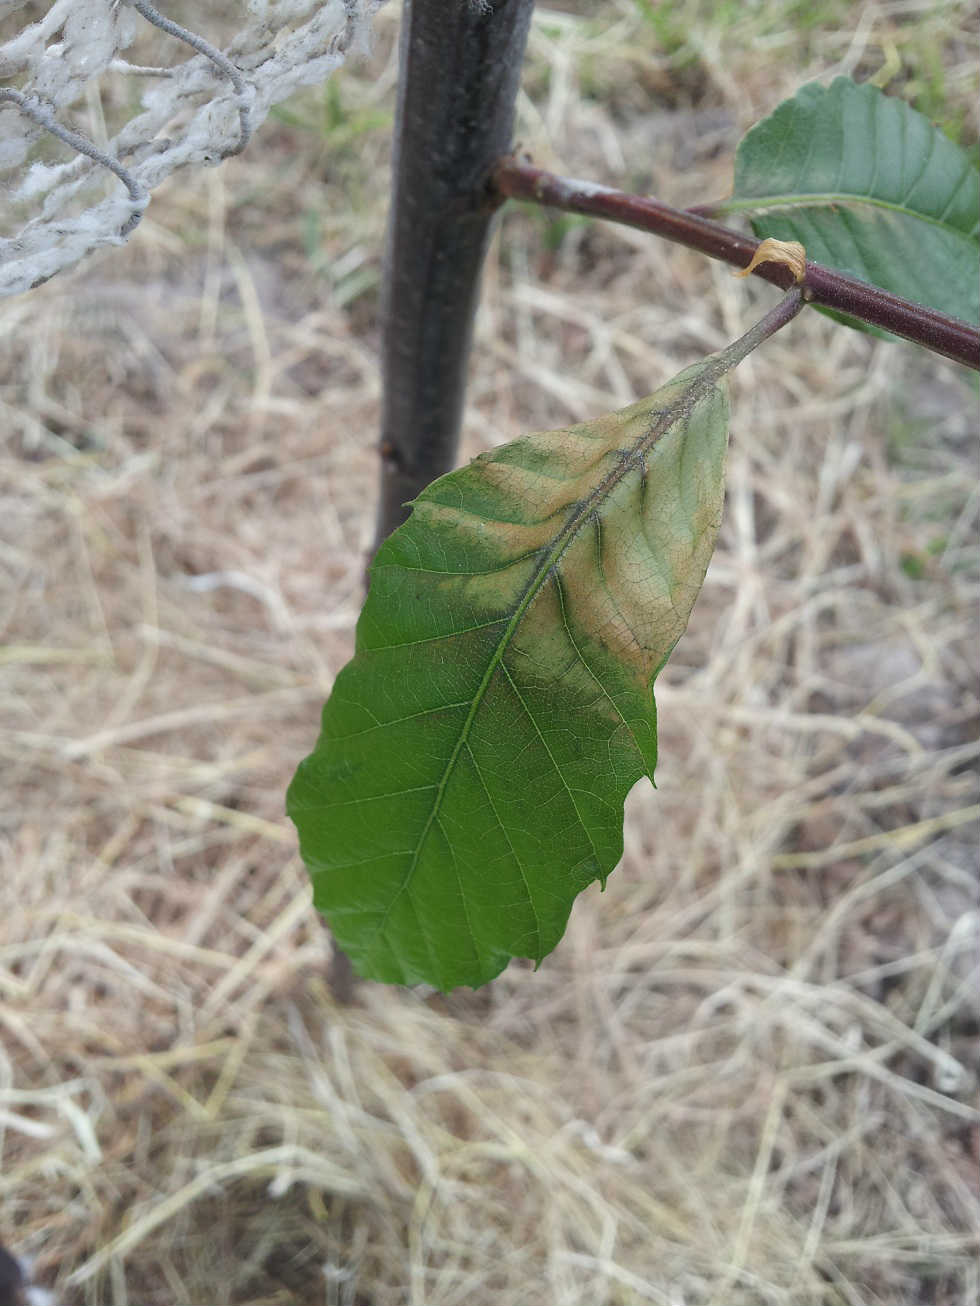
760 204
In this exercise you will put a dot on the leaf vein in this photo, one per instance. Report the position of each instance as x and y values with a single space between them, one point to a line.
514 853
551 757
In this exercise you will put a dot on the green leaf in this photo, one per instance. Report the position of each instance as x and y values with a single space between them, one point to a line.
871 188
476 752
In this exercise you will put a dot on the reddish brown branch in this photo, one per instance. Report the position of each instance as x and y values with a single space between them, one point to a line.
512 179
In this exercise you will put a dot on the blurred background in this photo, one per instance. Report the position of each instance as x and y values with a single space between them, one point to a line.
748 1075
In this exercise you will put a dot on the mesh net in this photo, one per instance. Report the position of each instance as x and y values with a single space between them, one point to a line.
101 100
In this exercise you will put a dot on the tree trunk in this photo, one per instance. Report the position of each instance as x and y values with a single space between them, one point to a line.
460 67
460 71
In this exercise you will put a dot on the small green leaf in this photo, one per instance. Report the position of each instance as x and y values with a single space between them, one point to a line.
476 752
871 188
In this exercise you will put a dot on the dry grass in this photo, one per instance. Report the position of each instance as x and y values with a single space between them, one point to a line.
747 1077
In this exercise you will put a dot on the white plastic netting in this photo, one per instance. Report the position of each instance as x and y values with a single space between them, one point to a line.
101 100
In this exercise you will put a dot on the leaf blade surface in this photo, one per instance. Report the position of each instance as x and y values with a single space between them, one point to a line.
476 752
872 189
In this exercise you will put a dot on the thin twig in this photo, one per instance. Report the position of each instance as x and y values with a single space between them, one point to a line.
512 179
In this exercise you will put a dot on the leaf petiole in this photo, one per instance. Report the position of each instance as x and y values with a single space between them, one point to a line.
782 313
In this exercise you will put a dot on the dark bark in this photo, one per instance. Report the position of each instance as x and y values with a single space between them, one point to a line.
460 71
460 67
